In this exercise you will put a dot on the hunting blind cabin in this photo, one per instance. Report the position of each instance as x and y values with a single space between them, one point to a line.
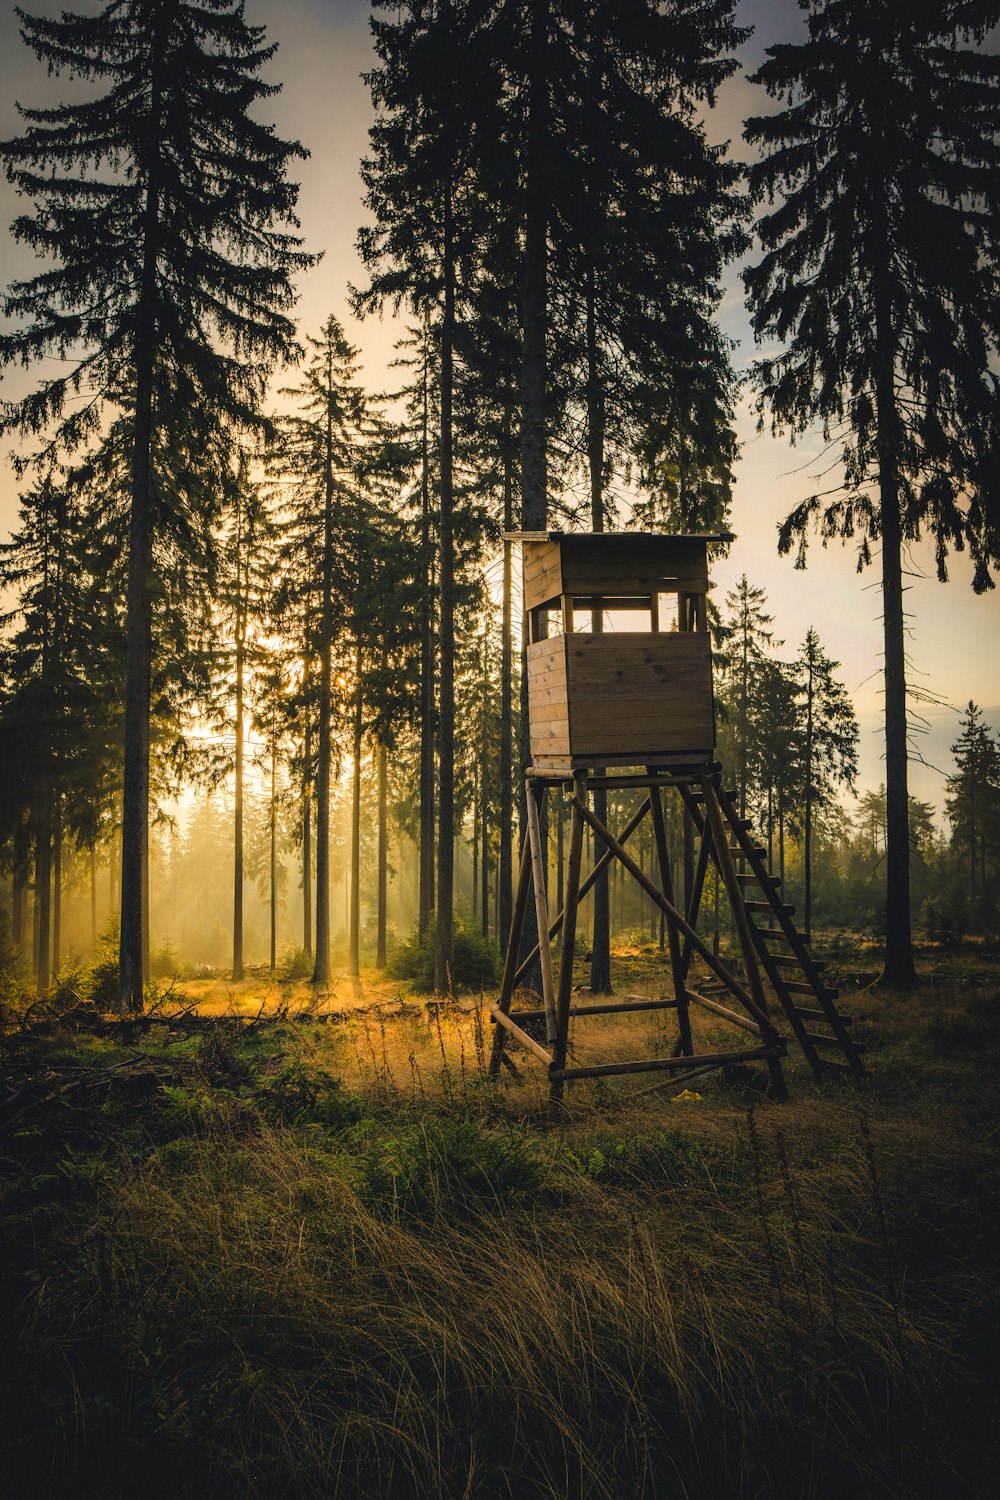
611 709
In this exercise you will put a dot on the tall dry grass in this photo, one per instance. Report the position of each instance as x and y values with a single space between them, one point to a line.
372 1273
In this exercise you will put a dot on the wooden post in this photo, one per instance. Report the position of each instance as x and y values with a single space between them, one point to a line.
702 949
570 905
538 867
509 981
673 937
587 886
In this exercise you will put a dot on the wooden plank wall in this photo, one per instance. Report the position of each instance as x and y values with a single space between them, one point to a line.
542 573
548 698
639 693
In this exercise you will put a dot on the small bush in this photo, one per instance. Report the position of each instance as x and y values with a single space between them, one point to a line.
163 962
307 1096
296 963
477 960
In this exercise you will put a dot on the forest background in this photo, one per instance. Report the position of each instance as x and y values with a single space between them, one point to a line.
324 50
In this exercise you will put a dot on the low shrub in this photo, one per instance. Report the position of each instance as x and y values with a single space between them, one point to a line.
476 966
296 963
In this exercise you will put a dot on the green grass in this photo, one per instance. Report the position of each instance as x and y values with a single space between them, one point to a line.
318 1259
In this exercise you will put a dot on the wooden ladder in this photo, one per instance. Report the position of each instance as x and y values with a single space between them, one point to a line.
807 1000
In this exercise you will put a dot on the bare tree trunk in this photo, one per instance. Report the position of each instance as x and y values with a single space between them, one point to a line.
274 854
505 891
382 955
444 931
899 968
600 962
17 905
354 918
57 844
307 897
425 899
321 967
534 314
36 922
807 830
475 845
484 831
93 897
43 881
133 952
238 809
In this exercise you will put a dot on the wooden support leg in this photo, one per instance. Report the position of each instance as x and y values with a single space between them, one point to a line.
571 903
538 868
509 983
673 936
667 907
741 921
701 870
586 887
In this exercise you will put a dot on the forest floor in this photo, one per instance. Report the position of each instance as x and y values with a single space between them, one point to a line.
262 1243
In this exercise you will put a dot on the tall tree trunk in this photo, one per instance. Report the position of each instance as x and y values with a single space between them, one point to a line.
899 968
505 891
475 844
57 847
17 904
43 882
93 897
484 832
274 854
36 919
307 840
382 954
321 968
600 961
444 944
238 813
534 317
807 828
425 897
145 905
132 953
354 922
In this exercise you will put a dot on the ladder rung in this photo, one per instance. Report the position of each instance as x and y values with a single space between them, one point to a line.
799 987
771 932
784 958
811 1013
767 906
757 849
832 1041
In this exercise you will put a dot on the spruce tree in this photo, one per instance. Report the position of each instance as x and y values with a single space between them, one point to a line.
58 763
431 91
828 746
243 593
973 802
744 662
315 466
165 211
880 278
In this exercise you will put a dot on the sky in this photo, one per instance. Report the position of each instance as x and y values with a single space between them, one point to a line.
954 636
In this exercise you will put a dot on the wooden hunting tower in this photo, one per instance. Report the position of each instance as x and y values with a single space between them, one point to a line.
634 709
601 696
